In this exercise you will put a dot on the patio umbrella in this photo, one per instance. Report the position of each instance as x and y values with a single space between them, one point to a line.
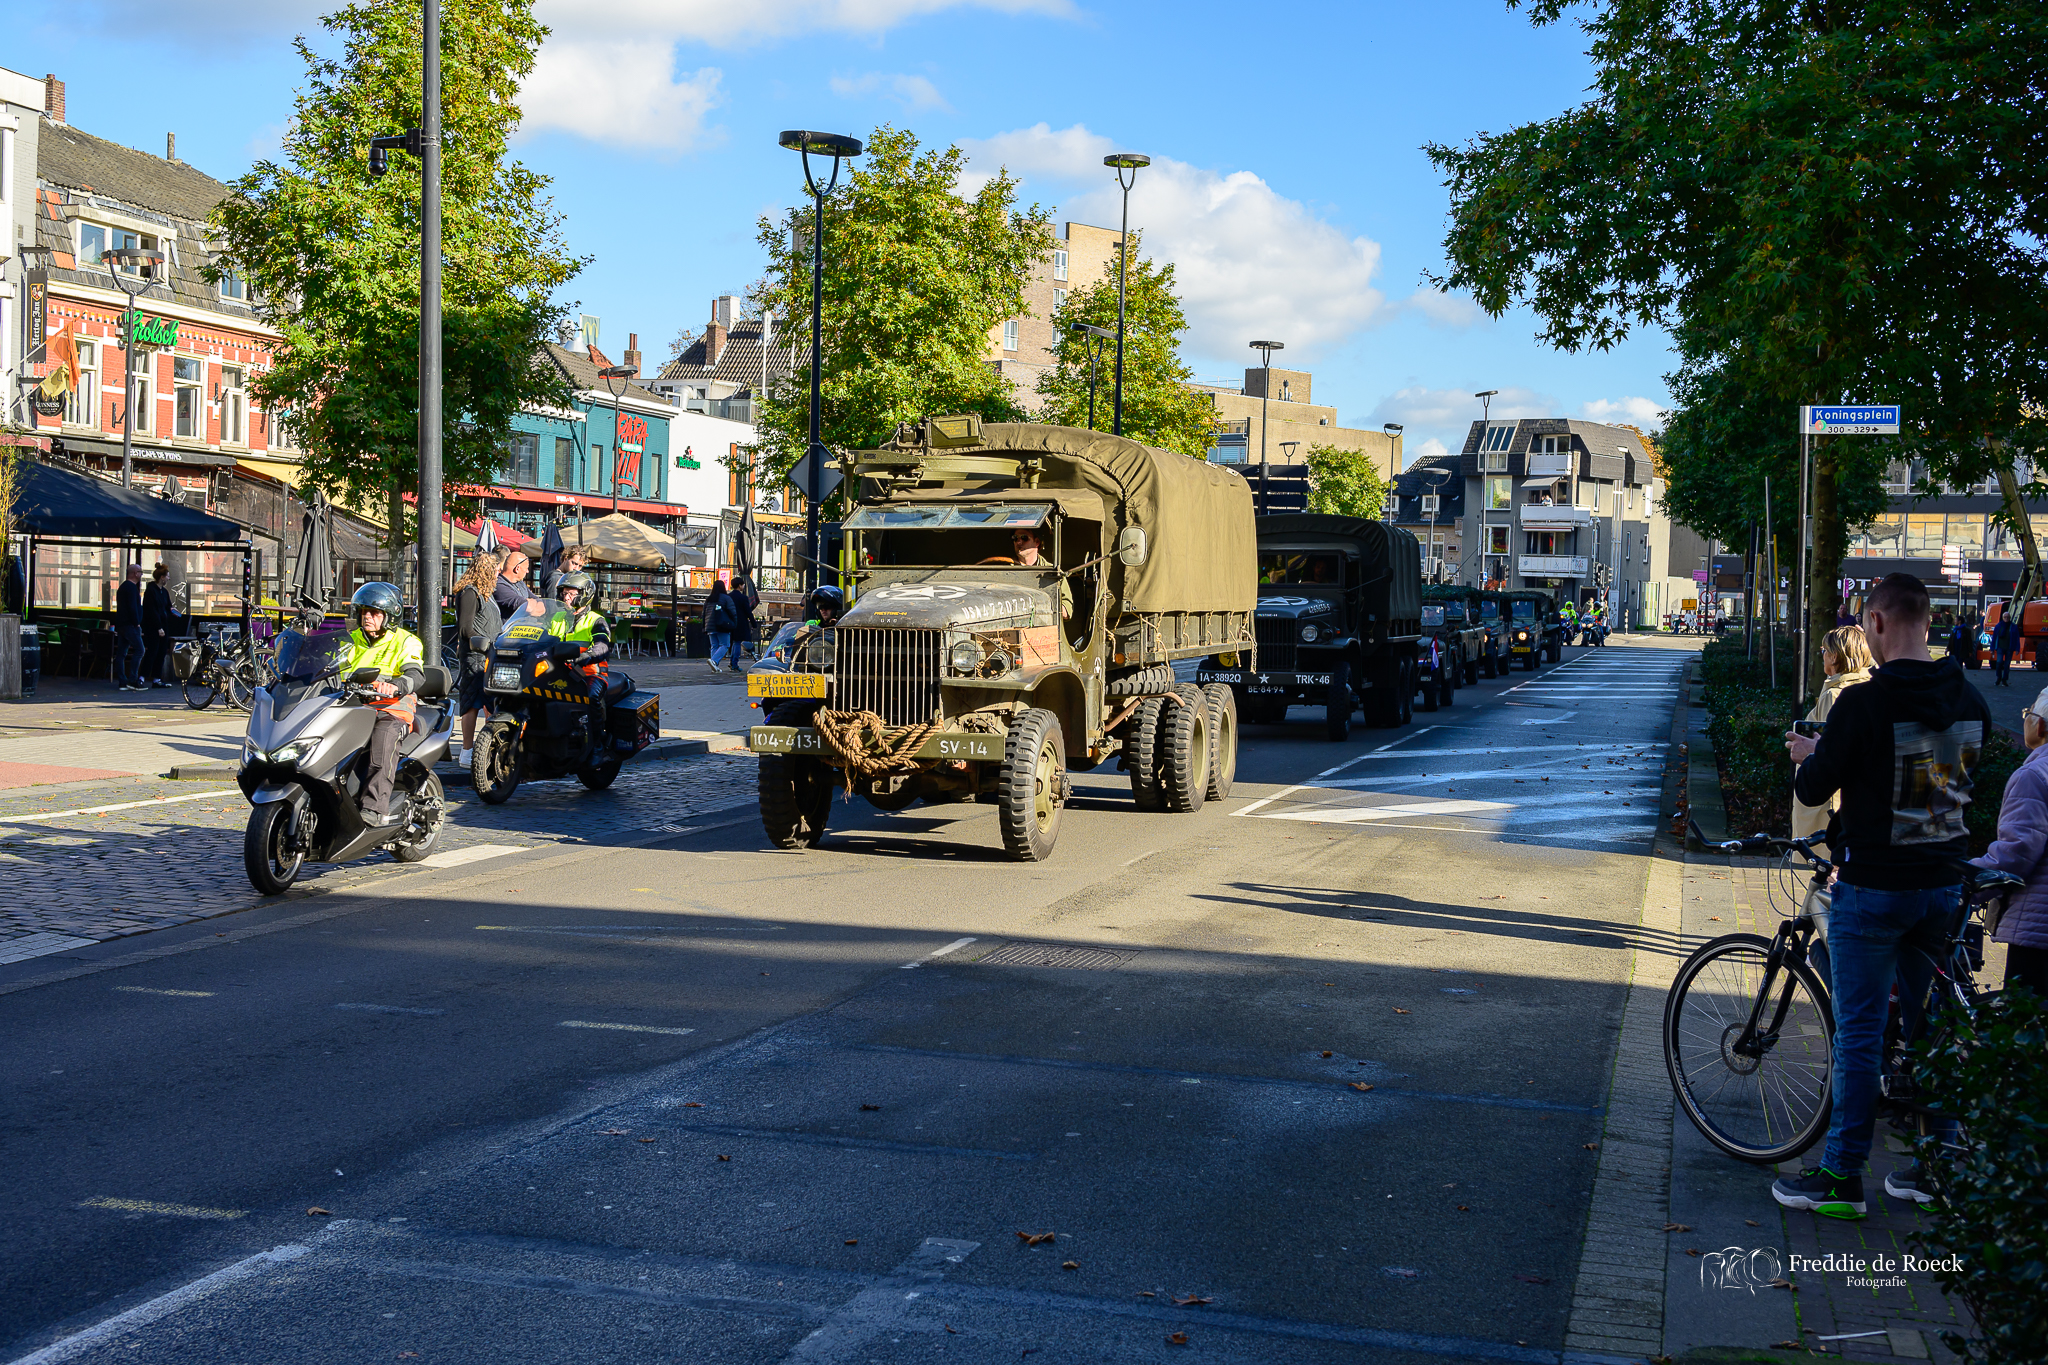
313 566
620 539
746 549
487 538
551 549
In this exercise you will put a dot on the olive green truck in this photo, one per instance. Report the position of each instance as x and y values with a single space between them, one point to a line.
1019 594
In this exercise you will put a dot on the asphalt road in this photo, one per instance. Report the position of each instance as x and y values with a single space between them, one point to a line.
1307 1076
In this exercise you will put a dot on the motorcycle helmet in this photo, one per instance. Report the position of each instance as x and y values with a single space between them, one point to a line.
584 587
375 597
825 604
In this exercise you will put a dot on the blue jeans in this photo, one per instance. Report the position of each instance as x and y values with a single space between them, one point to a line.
721 641
128 659
1871 938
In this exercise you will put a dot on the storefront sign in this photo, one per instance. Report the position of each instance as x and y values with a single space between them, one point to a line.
155 331
632 433
688 459
38 308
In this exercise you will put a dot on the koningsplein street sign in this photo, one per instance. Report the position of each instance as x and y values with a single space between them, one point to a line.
1850 419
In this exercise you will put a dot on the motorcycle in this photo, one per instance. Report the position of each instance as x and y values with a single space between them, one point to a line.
302 759
540 726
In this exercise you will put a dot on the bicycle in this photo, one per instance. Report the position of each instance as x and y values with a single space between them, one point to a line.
1749 1025
235 669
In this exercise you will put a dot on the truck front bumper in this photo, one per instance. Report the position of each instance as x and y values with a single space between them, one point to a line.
946 744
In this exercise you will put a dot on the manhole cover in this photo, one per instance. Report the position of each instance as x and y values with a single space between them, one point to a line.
1056 955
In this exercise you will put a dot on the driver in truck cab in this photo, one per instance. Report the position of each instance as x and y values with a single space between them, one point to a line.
1029 544
378 642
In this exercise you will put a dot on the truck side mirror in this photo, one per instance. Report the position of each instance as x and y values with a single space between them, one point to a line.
1130 546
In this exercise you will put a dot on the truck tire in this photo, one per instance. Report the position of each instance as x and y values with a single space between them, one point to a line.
1493 668
1432 693
1184 752
1448 689
1141 752
1337 710
1032 790
1471 672
1529 662
1222 704
795 792
1383 698
1142 683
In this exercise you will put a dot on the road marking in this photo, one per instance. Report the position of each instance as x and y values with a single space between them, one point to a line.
1329 772
456 857
39 945
1549 720
388 1009
170 1210
1498 749
625 1028
955 946
876 1309
157 990
1352 815
38 816
162 1306
1141 857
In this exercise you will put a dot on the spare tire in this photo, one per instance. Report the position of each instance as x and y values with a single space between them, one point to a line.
1142 682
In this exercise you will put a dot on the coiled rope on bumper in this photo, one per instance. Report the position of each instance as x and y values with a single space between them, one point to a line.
858 742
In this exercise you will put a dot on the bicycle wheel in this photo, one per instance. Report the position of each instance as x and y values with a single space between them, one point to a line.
1768 1106
202 689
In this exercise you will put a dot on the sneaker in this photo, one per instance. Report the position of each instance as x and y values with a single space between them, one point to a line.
1821 1190
379 820
466 758
1907 1184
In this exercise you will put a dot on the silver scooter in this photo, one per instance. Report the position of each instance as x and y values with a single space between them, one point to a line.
302 761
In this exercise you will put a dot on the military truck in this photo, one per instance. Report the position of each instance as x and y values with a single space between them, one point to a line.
1450 617
1019 595
1535 629
1339 618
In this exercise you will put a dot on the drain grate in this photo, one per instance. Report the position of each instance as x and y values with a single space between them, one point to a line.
1056 955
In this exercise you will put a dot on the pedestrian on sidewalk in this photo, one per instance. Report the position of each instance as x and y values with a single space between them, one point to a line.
1845 654
1901 750
2021 849
719 620
510 591
128 632
2005 642
159 620
745 603
573 560
476 618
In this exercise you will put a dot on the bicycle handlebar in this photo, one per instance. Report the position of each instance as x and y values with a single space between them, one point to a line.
1764 843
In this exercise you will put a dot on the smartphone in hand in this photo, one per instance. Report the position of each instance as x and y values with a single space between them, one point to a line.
1809 728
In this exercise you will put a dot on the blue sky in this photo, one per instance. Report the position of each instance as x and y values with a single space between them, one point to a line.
1288 183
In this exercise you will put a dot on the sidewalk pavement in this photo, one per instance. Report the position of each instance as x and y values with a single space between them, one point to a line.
76 730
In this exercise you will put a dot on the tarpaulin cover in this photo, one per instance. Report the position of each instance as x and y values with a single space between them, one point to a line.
56 502
1201 549
1392 557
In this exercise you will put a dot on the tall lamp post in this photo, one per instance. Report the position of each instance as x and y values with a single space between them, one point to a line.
1121 162
615 378
1092 337
1436 496
839 147
1393 430
1265 348
1485 397
125 264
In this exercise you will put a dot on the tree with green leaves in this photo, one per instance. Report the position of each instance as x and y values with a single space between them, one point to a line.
1345 483
1159 407
1823 202
917 276
333 254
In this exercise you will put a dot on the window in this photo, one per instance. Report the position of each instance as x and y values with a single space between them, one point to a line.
565 462
1010 335
233 286
1496 540
188 410
1430 502
283 436
1059 266
96 239
1498 493
1966 529
1552 445
521 459
1884 538
1059 299
234 407
735 491
85 397
142 391
1924 532
1493 448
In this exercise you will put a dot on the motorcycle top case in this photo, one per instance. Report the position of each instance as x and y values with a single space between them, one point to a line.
635 721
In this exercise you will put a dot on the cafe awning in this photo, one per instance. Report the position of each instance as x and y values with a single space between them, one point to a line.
57 502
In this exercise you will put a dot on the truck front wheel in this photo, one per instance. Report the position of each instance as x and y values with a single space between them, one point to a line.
1432 691
1031 791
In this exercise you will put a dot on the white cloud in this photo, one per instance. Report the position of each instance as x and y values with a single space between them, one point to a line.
913 92
1423 450
625 93
1249 261
1445 310
1646 413
1446 410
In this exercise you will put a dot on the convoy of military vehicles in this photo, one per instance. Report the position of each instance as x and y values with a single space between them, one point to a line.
1020 593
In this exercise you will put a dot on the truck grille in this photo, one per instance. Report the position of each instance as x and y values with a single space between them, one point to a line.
1276 645
893 673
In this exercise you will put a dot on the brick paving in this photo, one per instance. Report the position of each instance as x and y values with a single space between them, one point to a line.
107 874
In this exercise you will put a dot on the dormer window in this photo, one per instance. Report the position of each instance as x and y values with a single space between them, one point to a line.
95 240
233 286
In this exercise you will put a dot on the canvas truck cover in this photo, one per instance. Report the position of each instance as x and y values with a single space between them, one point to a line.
1382 547
1201 545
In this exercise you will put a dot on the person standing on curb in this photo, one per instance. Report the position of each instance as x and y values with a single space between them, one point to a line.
159 619
128 632
718 622
744 602
476 617
2021 849
1901 750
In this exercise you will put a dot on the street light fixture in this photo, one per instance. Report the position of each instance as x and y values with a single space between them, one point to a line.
839 147
1121 162
615 378
1393 430
1092 338
1265 348
125 264
1486 397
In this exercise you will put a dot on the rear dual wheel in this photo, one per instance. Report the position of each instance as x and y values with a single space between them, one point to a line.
1184 759
1222 739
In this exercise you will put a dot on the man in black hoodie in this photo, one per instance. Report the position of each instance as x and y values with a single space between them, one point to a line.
1902 749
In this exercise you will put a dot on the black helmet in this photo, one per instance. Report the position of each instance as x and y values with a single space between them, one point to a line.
375 597
583 583
825 604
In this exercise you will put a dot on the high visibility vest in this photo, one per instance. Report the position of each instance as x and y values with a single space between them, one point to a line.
390 654
583 628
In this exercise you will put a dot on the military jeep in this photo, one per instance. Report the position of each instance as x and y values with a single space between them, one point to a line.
976 665
1454 646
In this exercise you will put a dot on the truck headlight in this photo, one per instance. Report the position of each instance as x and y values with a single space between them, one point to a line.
964 657
1310 633
822 652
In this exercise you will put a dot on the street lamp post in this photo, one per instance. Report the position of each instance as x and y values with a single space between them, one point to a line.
123 264
1121 162
1393 430
1266 348
615 378
1485 398
839 147
1092 337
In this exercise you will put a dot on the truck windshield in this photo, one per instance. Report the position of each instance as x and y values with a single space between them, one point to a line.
1432 614
978 517
1301 567
1489 609
1523 611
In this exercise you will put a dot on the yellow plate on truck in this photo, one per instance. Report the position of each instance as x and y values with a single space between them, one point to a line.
788 684
790 739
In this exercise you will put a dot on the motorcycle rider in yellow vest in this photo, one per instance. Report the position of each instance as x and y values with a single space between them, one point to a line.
580 623
379 642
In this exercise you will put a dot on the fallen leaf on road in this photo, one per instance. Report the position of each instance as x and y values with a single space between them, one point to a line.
725 1158
317 1212
1147 1294
1070 1265
1591 1146
870 1108
1788 1346
1399 1010
1533 1279
853 1241
1177 1339
1191 1299
1715 918
1032 1239
1329 983
1781 1284
1678 1227
1692 1251
692 1104
1464 1208
647 1139
1752 1222
947 1325
1360 1085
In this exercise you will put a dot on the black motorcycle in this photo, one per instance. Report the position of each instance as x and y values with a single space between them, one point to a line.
541 723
